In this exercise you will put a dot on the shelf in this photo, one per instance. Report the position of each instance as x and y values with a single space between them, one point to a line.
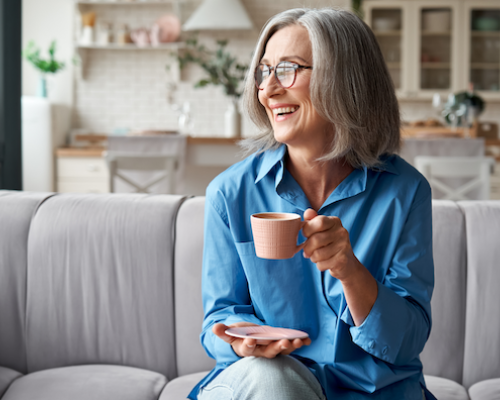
169 48
393 65
446 34
387 33
435 65
485 34
164 46
485 66
126 3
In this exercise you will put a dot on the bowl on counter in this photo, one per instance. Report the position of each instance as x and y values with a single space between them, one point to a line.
384 24
486 24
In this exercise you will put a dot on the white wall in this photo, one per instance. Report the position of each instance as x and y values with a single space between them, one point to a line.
44 21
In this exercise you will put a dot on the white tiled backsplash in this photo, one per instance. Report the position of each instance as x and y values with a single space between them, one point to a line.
128 88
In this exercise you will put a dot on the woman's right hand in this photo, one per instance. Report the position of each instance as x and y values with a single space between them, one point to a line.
248 347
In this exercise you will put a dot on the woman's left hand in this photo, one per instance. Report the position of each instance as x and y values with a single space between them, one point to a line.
328 245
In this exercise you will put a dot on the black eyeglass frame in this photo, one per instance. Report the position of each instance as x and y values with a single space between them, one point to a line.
271 68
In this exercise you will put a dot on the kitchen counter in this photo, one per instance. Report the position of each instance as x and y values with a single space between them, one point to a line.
206 157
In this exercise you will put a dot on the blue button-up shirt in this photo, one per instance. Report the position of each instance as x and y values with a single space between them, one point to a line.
387 212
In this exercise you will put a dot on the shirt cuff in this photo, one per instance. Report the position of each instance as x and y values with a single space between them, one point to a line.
380 333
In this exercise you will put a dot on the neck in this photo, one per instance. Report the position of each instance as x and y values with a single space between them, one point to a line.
318 179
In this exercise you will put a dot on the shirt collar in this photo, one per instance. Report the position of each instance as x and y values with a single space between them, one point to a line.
269 159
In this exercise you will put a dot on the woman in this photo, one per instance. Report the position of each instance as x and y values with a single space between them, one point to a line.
361 287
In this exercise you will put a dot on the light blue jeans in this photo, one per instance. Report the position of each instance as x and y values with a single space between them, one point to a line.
255 378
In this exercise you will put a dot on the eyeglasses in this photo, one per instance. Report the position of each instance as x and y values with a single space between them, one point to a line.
285 73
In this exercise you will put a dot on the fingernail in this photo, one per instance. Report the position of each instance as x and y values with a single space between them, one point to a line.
283 347
250 346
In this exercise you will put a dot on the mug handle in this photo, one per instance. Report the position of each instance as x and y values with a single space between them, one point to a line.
300 246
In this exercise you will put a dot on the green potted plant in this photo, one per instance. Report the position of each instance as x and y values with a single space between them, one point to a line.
221 69
45 66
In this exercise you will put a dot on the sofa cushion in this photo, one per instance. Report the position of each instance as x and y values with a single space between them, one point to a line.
7 376
86 382
191 357
482 338
485 390
179 388
445 389
16 211
443 353
99 282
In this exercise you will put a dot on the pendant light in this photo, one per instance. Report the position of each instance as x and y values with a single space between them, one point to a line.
219 15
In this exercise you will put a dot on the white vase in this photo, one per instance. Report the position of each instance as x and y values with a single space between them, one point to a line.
232 120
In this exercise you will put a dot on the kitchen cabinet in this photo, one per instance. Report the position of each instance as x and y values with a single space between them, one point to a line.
420 42
438 46
120 12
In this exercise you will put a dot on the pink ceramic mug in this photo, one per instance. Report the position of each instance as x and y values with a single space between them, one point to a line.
275 234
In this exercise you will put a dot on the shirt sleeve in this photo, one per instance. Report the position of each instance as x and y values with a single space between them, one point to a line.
225 292
399 323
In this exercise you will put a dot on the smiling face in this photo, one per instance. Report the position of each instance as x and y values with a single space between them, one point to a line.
294 119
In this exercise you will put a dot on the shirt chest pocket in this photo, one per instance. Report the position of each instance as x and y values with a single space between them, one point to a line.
280 289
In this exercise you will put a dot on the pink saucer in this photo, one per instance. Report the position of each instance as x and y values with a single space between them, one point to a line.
266 333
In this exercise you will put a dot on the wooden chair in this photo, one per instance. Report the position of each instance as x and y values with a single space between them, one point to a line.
475 171
165 164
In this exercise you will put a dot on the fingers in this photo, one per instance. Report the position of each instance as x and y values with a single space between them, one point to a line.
321 223
309 214
220 331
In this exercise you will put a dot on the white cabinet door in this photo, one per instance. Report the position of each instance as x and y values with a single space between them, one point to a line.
389 21
481 21
437 38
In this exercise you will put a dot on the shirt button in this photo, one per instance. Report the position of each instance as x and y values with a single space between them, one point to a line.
371 345
385 350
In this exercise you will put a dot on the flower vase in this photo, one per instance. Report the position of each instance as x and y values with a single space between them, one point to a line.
232 119
42 86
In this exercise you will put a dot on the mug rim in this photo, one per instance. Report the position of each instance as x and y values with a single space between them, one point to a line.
287 216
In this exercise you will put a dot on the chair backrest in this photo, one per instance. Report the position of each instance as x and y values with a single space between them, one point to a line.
162 166
473 172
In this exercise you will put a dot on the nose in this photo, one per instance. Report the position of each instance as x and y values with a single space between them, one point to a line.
271 87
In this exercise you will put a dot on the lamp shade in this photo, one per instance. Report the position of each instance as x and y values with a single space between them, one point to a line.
219 14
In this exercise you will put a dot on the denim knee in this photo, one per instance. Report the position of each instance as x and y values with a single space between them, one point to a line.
258 378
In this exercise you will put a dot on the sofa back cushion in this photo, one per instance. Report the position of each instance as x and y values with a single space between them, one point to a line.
444 351
482 332
16 211
191 357
99 282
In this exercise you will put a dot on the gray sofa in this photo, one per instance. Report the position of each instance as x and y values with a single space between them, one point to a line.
100 298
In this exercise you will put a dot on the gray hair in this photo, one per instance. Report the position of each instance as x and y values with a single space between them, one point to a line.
350 87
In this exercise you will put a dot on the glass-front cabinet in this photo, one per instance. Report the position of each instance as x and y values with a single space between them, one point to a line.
420 43
388 20
438 45
482 46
